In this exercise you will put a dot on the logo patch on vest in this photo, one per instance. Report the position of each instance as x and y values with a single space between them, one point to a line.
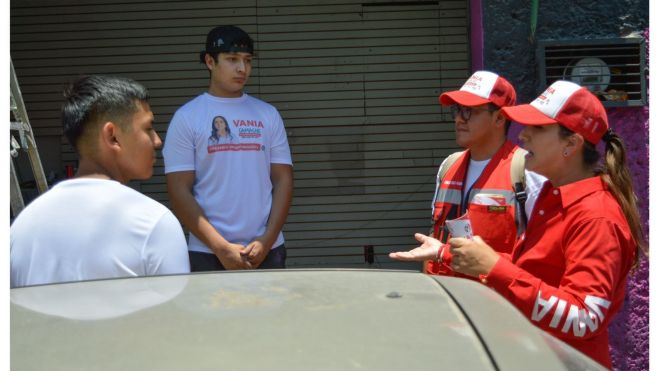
496 209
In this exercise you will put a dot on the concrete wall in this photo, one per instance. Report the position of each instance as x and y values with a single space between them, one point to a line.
509 50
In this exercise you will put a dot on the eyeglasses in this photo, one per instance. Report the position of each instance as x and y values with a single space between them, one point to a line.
465 112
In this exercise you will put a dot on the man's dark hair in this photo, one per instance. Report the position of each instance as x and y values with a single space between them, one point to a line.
94 99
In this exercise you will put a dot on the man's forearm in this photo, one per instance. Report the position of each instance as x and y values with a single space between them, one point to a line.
191 215
282 194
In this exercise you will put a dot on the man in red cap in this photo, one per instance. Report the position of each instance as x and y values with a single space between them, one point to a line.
487 179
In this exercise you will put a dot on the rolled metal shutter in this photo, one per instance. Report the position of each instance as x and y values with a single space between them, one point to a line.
356 83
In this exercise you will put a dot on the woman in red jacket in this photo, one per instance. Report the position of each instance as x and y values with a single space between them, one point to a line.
568 272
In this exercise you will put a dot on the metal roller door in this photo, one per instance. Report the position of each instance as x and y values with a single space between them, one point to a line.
356 83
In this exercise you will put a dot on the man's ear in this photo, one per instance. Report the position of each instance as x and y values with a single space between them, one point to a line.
109 135
210 62
500 120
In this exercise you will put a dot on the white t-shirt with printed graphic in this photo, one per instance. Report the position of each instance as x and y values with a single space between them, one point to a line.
232 178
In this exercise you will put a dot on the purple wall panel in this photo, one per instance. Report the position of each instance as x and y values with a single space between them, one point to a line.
630 330
476 35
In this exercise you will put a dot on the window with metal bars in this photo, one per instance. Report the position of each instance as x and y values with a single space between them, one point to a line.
613 69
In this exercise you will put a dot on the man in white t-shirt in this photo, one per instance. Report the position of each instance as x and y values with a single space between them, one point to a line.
93 226
228 165
491 166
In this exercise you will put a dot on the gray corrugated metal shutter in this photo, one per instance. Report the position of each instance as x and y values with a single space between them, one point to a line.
356 83
154 42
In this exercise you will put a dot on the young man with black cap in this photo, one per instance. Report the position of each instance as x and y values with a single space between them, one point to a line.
481 181
233 196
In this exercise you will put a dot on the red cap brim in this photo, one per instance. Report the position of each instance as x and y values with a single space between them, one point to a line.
526 114
463 98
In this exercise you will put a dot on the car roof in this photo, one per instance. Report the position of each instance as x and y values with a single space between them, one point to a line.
335 319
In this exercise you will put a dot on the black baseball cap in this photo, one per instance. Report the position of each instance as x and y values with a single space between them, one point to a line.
227 39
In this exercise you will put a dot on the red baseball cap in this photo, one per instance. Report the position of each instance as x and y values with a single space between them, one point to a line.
568 104
482 87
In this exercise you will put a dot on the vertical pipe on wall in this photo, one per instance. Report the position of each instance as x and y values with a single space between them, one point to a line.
476 34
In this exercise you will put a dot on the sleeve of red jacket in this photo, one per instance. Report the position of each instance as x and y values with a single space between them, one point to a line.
579 306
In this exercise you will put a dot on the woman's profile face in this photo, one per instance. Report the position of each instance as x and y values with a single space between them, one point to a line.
545 147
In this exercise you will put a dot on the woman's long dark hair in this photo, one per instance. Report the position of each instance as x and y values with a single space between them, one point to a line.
615 173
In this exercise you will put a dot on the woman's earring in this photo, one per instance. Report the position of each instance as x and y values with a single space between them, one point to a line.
564 153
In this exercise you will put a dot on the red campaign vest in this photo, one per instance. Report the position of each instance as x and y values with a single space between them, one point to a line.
496 225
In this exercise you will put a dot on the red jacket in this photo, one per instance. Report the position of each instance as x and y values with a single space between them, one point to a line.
496 225
568 272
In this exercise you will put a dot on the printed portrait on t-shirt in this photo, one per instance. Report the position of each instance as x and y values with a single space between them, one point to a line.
220 131
236 136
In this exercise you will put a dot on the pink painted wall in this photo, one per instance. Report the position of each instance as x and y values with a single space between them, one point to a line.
476 35
630 330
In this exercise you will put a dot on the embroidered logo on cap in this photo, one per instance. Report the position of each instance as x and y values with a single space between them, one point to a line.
481 84
550 103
